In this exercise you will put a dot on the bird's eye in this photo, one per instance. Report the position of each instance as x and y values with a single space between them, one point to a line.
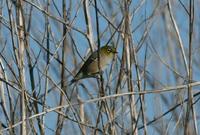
109 50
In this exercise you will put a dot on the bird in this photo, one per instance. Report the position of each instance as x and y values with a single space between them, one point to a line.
90 67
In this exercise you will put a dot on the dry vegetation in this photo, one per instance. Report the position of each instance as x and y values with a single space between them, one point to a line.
151 86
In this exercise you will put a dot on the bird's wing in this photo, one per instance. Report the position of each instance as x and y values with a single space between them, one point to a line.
90 59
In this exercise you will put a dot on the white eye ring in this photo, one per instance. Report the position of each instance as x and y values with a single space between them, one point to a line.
109 50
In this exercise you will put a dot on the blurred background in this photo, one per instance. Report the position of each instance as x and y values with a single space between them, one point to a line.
151 87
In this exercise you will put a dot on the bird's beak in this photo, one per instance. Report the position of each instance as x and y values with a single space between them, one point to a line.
115 51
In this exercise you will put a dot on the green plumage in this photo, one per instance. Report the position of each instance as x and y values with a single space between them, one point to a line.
90 67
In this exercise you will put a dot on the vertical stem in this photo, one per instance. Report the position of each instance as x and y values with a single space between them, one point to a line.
21 69
99 44
60 119
100 83
180 42
2 74
190 94
2 94
103 104
88 24
12 28
82 115
31 72
128 65
47 27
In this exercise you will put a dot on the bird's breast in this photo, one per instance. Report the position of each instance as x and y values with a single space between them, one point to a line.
93 67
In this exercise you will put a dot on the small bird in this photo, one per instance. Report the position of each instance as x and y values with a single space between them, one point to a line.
90 67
